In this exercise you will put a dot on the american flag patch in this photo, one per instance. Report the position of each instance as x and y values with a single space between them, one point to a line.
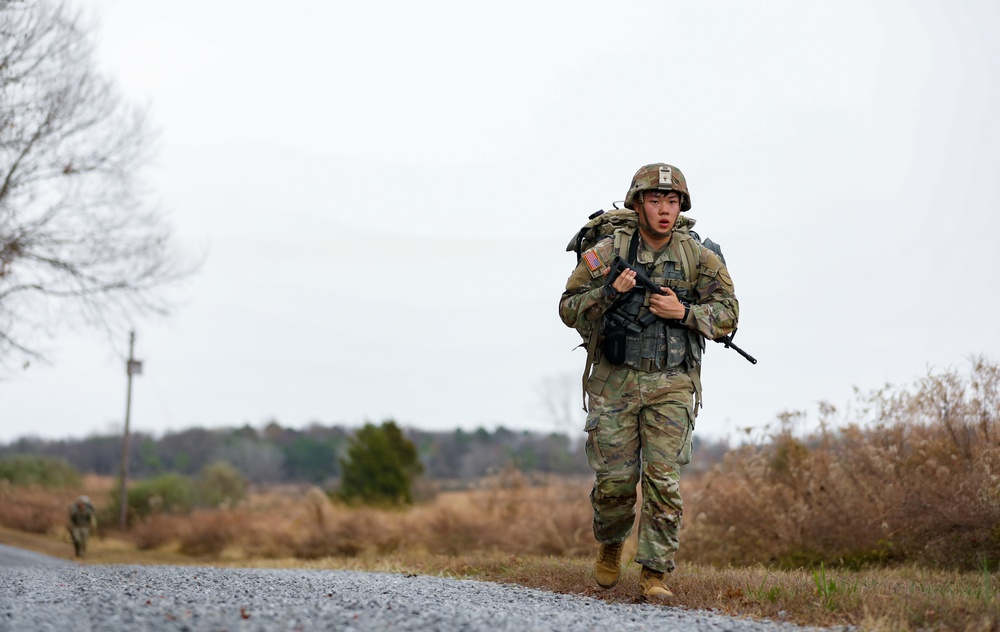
593 261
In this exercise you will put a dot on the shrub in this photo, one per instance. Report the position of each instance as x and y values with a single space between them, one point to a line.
220 484
349 533
155 531
380 467
43 471
28 510
208 533
167 493
34 509
914 478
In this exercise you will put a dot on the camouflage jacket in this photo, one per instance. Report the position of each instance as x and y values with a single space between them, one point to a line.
714 311
82 515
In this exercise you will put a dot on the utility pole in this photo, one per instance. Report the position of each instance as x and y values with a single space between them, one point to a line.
132 367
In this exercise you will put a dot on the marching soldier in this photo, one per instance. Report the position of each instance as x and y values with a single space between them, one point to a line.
643 379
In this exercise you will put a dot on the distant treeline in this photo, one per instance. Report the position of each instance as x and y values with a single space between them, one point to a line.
276 454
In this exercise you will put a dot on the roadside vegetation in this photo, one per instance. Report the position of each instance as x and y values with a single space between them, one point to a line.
887 518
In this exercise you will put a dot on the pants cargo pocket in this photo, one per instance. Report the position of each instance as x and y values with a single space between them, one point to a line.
594 456
686 446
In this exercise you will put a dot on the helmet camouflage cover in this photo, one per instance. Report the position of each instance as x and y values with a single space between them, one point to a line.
660 177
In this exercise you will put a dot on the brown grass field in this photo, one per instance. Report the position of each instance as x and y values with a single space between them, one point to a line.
890 522
510 530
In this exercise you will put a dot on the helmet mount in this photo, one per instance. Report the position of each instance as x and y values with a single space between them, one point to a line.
658 177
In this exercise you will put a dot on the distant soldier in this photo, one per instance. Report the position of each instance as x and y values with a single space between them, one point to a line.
82 518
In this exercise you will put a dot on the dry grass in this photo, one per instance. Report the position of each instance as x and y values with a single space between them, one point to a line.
914 478
509 514
306 531
155 531
899 599
891 523
41 510
209 532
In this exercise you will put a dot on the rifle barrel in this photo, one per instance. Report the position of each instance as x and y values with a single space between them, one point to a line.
728 342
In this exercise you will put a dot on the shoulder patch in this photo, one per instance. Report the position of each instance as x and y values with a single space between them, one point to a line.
599 257
593 260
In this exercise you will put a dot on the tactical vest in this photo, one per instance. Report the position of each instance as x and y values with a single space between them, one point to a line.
663 344
658 349
80 517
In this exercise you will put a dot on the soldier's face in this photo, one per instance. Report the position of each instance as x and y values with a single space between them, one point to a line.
659 212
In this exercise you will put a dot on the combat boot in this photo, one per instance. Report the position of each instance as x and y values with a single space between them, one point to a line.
608 567
651 585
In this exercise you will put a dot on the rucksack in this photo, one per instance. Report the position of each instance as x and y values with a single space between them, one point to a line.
603 224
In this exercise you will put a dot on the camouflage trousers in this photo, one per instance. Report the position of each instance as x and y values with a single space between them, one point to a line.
640 427
80 536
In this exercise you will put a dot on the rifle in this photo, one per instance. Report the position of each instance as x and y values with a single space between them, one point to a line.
619 265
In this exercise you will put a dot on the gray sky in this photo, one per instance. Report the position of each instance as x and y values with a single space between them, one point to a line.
384 192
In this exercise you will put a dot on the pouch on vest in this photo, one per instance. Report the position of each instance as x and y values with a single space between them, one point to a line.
614 344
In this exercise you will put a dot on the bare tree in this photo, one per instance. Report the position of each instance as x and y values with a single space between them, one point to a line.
561 397
78 244
259 462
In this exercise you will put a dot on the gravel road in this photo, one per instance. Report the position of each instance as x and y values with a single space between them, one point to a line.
42 593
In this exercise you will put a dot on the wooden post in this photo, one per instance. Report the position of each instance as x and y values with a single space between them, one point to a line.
123 499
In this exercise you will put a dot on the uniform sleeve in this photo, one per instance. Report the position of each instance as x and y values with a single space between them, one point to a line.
583 303
716 311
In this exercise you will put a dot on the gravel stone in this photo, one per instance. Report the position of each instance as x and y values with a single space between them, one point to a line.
45 594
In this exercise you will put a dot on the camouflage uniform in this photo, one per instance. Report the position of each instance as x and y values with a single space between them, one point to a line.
82 519
641 414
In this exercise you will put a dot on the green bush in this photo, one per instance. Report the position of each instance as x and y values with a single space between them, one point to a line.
167 493
220 484
380 466
49 472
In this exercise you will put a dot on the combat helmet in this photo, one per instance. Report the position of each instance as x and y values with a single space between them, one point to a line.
661 177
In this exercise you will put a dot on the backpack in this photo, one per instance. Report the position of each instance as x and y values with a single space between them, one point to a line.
603 224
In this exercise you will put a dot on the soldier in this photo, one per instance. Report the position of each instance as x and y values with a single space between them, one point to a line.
82 518
644 397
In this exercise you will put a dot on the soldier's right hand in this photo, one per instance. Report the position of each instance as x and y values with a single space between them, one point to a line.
625 281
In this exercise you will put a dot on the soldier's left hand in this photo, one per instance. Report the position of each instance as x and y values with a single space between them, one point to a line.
666 305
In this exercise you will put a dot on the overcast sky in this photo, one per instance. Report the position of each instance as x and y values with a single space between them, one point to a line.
383 192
